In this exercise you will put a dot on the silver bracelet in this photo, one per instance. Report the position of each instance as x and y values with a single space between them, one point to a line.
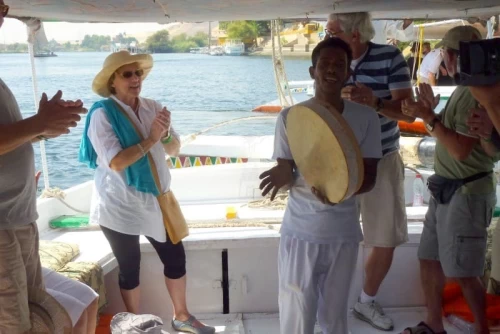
142 149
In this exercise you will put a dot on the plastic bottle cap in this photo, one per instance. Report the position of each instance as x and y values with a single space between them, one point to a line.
418 176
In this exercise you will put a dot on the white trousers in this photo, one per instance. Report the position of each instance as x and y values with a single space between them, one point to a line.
74 296
314 281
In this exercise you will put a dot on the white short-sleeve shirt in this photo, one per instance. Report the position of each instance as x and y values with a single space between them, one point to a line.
430 63
308 219
390 29
115 204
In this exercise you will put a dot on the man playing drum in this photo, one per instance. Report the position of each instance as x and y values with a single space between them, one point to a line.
319 239
381 80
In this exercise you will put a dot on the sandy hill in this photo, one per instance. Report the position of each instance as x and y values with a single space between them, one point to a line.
190 29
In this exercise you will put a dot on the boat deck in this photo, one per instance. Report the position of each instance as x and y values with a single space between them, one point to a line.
254 237
269 323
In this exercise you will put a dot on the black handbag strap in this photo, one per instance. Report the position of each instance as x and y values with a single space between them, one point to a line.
476 177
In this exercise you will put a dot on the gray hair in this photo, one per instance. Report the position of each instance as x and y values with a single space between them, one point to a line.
351 22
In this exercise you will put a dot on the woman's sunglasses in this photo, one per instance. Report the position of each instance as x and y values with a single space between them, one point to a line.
4 10
129 74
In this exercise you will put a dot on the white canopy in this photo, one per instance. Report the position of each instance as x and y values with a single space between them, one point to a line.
437 30
164 11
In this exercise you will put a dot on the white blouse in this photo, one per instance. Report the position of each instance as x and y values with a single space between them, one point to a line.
115 204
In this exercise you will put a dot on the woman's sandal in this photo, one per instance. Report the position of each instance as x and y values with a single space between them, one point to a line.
422 328
189 327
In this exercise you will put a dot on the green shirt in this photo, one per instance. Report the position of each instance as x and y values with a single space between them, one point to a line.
454 117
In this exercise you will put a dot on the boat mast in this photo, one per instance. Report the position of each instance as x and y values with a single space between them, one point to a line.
282 87
209 34
31 49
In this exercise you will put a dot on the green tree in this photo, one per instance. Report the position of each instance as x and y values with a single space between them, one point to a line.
258 28
181 43
68 47
243 30
15 48
159 42
200 38
264 27
123 39
95 42
223 25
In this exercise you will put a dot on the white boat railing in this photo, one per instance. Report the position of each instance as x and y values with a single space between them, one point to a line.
185 140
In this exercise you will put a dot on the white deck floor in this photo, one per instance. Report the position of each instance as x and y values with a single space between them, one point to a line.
269 323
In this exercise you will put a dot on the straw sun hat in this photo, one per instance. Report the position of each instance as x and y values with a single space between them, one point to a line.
47 315
113 62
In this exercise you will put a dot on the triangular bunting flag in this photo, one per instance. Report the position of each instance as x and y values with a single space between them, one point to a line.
178 163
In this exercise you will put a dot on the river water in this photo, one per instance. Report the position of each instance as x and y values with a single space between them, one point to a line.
200 90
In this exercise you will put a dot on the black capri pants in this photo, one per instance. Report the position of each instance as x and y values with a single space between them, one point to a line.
127 251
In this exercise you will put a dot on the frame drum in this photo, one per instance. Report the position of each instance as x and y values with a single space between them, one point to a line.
325 150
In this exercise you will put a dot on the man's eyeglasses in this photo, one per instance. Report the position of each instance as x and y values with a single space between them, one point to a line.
4 10
128 74
332 34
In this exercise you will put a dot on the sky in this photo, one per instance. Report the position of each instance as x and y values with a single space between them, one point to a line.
14 31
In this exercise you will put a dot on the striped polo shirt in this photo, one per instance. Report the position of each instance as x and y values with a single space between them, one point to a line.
383 69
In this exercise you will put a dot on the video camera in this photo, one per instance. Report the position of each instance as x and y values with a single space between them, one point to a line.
479 63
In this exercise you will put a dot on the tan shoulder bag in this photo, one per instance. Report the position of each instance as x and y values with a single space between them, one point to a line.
173 219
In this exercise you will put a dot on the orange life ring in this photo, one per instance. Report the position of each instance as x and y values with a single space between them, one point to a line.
268 109
415 128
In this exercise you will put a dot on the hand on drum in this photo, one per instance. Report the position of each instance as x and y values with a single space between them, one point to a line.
276 178
322 198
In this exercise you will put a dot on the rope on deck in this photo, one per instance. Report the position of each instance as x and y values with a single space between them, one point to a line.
58 194
279 202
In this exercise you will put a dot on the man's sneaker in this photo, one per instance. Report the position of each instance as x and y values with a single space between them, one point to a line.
373 314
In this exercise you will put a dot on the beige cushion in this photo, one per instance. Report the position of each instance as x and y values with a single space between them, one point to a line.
54 255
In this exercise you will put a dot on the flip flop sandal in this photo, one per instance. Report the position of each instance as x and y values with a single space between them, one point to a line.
422 328
189 327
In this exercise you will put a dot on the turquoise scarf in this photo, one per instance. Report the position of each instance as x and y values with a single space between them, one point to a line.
138 174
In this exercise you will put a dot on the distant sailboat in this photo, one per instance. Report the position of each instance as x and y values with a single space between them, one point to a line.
43 54
41 45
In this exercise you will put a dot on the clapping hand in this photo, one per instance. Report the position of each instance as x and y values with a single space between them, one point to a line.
487 96
479 123
56 116
359 93
161 125
424 106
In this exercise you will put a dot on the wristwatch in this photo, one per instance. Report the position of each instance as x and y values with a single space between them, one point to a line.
430 126
380 104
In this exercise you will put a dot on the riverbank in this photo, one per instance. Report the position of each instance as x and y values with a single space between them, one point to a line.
286 54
